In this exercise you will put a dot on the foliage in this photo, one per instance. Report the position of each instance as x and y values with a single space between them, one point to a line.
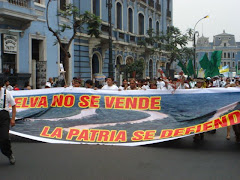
173 43
137 66
75 22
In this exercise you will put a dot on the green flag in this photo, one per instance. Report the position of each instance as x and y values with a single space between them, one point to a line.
211 67
216 58
180 64
216 62
204 62
190 68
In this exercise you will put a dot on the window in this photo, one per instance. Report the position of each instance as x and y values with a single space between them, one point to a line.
140 24
130 20
96 7
228 64
40 1
224 64
229 55
233 55
63 4
225 44
168 4
119 16
150 23
233 64
151 69
157 28
225 55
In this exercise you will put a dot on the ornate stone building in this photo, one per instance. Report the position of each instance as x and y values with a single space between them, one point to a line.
130 21
222 42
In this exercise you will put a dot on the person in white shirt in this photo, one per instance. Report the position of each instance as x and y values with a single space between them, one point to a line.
124 85
167 86
145 85
110 84
7 85
183 85
192 83
160 83
216 82
132 85
222 82
6 100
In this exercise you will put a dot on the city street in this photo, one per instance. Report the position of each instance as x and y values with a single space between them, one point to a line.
214 158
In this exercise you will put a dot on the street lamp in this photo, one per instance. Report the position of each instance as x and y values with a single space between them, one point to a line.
194 44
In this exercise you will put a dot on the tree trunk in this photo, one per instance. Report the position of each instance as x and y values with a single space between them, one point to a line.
66 68
168 66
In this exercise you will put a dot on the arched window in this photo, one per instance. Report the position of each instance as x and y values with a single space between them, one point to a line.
119 16
233 55
157 67
150 23
96 7
130 20
157 28
140 24
118 69
95 64
151 69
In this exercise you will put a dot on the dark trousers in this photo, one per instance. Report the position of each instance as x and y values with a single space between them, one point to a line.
236 129
5 144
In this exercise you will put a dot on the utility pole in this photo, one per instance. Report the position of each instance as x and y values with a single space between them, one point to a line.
110 65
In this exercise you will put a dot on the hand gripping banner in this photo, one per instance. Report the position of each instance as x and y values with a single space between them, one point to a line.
129 118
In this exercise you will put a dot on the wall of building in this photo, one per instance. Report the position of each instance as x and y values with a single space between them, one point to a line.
29 23
124 43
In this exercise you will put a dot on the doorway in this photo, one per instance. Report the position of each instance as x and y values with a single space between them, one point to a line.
38 65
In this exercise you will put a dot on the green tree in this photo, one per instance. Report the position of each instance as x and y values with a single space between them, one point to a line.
173 43
137 66
75 22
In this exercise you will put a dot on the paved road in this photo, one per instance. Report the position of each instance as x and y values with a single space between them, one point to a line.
215 158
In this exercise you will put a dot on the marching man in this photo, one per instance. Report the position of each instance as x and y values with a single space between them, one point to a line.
6 99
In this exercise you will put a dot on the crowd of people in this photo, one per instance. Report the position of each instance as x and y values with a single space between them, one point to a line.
170 84
162 84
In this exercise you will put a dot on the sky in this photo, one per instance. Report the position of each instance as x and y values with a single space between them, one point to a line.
223 15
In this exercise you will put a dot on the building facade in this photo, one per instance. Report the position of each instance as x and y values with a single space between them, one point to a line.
131 20
222 42
27 50
28 53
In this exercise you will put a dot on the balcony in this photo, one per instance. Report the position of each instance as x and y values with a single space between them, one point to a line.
105 28
121 35
22 3
143 3
132 38
17 14
151 3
